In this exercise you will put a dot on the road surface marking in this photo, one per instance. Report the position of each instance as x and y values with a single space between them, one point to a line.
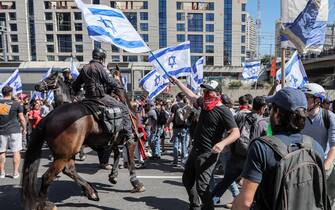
159 177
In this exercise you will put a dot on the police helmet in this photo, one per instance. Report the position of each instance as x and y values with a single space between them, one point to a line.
99 53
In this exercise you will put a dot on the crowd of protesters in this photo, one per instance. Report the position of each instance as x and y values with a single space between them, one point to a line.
205 133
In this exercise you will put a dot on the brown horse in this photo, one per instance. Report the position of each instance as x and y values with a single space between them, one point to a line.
65 130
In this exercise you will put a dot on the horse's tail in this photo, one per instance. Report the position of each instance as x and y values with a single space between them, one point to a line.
30 167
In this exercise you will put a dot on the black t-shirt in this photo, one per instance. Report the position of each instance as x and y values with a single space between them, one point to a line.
211 126
9 110
261 164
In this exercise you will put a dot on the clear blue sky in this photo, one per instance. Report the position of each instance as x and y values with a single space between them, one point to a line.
270 12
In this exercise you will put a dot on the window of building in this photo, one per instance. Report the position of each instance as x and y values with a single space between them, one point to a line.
145 5
47 5
243 7
115 58
62 57
50 48
209 60
180 37
210 6
144 58
97 44
13 38
180 27
194 59
113 4
180 16
15 48
209 48
209 16
63 21
145 37
242 49
162 24
48 15
79 48
243 18
115 49
15 58
195 22
7 5
95 1
50 37
144 26
242 59
210 38
209 27
50 57
77 15
80 58
12 16
49 26
143 15
243 28
132 17
78 26
242 39
78 37
13 27
179 5
196 42
65 42
130 58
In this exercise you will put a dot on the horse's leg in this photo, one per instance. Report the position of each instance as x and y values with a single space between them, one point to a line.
114 173
138 186
90 192
56 167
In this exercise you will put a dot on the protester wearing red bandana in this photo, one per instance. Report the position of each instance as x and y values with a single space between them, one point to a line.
215 119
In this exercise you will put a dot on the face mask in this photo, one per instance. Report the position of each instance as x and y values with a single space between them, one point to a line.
210 102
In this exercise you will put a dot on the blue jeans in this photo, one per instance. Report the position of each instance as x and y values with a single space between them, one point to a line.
155 141
179 136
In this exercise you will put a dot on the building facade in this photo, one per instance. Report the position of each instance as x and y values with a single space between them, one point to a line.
56 31
14 33
251 38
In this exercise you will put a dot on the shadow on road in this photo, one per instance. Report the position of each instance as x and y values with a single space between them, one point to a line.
162 165
171 182
10 197
85 205
160 203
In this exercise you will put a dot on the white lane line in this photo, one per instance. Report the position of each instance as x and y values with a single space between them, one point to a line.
159 177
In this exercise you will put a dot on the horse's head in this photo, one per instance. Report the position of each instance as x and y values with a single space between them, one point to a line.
49 83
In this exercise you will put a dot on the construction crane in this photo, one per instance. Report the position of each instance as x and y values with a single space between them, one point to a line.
258 26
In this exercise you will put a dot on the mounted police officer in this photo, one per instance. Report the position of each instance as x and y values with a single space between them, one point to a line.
97 80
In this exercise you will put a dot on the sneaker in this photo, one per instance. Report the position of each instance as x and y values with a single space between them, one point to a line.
228 206
16 176
106 166
2 175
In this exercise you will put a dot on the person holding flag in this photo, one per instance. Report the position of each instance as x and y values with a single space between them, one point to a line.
215 119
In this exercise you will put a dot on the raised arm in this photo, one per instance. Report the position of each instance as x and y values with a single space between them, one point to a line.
190 95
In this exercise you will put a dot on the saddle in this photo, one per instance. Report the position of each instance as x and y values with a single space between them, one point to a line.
108 118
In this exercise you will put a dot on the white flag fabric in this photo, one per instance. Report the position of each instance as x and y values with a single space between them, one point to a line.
74 70
106 24
49 96
47 74
251 70
125 83
14 81
176 60
154 83
295 75
304 24
197 77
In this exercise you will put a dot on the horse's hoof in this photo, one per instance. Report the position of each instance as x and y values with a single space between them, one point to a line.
46 205
82 157
112 180
93 197
138 189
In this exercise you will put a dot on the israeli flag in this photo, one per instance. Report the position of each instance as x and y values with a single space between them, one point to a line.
154 83
74 70
47 74
175 60
14 81
106 24
295 75
125 83
251 70
304 24
197 77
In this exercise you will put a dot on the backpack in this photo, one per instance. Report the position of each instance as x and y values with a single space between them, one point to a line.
247 125
181 116
300 180
326 118
162 117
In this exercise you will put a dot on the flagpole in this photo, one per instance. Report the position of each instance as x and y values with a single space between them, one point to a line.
159 63
283 67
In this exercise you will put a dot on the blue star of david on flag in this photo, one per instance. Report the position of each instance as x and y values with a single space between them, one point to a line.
154 83
175 60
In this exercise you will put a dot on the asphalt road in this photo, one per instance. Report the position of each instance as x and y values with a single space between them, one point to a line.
164 189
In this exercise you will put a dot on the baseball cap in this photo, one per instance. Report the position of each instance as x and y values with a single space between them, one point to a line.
66 70
289 99
212 86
